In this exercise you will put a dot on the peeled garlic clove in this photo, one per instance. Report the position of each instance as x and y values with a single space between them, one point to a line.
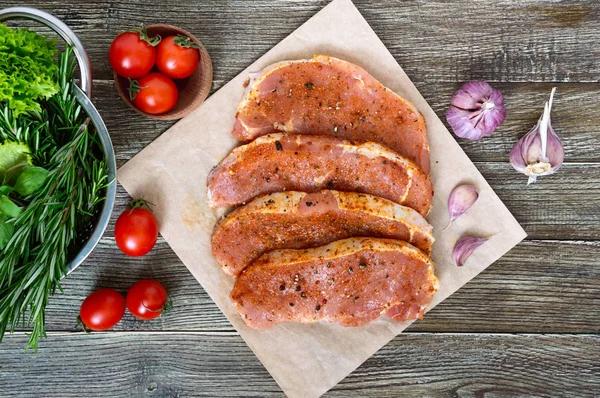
476 110
540 152
460 200
464 248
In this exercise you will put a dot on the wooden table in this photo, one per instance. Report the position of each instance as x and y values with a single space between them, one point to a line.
529 325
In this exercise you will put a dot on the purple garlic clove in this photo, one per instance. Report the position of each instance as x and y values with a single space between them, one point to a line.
460 200
464 248
540 152
476 110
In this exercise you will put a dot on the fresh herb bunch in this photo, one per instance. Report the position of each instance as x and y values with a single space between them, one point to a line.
53 219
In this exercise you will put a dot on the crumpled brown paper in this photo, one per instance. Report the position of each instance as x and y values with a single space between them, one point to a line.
308 359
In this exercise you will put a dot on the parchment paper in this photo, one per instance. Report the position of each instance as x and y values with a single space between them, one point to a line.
308 359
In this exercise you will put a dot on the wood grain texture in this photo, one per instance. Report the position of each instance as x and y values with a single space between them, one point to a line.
209 365
565 205
504 40
548 284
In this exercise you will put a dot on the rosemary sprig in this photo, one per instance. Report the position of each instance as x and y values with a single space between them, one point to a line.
47 230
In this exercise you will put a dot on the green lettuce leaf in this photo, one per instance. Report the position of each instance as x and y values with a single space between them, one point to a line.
28 72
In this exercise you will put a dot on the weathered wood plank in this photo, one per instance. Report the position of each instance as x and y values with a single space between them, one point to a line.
565 205
191 364
574 117
438 40
447 365
540 287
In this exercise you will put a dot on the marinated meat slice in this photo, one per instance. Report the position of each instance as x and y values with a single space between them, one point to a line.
351 282
329 96
299 220
310 163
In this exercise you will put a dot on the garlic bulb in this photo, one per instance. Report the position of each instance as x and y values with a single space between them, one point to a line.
476 110
540 152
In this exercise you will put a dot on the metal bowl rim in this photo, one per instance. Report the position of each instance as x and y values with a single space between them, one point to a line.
111 189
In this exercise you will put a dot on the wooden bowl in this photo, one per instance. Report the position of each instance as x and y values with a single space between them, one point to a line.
193 90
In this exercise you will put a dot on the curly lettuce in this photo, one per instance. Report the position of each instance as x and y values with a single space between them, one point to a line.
28 72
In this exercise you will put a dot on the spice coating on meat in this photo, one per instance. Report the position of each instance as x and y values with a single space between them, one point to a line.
284 162
299 220
325 95
351 282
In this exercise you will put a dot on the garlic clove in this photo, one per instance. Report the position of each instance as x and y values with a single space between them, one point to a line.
540 152
464 248
460 200
476 110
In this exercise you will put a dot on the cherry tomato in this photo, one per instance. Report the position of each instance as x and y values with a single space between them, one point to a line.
154 93
177 57
136 230
147 299
133 54
102 309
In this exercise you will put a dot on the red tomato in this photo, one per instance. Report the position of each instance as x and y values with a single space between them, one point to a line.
177 57
102 309
133 54
147 299
154 93
136 230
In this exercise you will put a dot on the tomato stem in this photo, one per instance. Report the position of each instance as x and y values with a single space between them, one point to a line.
85 328
167 307
141 31
185 42
139 203
134 89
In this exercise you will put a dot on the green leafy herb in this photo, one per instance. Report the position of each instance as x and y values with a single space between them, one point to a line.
30 180
59 196
18 176
8 207
6 231
27 69
12 174
12 155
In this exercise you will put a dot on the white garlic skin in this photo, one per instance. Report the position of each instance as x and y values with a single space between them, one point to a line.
540 152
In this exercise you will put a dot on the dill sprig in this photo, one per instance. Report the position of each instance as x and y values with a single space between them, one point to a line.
49 228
